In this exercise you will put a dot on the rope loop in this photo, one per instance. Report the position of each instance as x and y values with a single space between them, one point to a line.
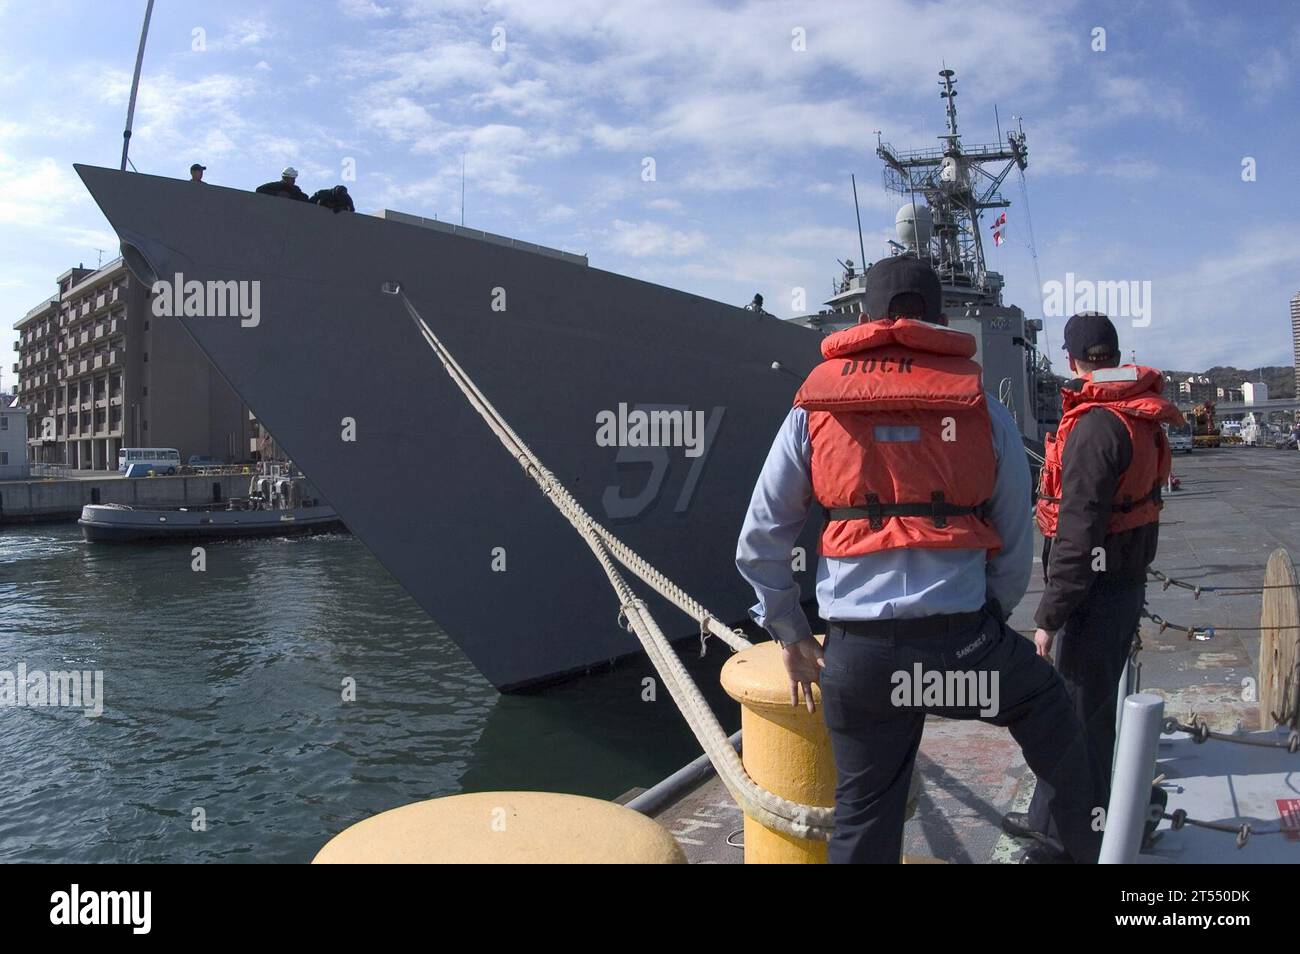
1243 834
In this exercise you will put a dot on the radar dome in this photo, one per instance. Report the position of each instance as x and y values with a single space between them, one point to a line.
913 223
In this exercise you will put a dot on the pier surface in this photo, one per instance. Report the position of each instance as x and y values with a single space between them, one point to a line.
1236 505
61 499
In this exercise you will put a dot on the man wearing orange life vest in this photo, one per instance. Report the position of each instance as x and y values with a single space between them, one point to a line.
1099 512
924 486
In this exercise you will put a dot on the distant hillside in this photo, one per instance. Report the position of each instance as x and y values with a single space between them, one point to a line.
1280 381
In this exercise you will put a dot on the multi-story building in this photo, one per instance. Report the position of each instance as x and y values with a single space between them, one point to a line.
1195 389
1295 339
13 439
1254 392
98 371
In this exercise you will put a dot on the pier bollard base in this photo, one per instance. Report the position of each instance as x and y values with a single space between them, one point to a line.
505 828
786 750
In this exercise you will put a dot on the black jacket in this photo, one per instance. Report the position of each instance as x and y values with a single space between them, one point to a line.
288 190
1096 455
336 198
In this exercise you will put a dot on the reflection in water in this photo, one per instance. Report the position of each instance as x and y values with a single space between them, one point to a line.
223 692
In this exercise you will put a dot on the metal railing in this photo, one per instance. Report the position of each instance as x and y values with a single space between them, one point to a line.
50 470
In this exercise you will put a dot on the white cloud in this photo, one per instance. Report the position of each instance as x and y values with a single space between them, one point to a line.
647 239
364 9
37 193
1267 71
1130 169
664 205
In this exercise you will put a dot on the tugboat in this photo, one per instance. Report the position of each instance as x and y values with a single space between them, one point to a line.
279 503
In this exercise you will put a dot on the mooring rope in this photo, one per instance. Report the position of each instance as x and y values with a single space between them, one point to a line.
802 821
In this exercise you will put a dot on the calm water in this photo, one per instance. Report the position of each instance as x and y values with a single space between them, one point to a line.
223 691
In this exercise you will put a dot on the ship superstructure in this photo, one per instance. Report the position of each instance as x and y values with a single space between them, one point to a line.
944 191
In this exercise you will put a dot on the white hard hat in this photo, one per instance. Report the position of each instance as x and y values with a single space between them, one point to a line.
289 172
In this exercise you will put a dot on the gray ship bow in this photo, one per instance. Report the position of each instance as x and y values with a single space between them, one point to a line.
552 342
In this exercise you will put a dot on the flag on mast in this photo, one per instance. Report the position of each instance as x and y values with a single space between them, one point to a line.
1000 229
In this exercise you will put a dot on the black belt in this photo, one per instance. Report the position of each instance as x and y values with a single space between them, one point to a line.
938 510
948 624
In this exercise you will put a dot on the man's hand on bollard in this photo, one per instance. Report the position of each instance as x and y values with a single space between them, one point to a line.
1043 640
804 663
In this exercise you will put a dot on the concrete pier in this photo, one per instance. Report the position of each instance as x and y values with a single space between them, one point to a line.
1237 505
36 501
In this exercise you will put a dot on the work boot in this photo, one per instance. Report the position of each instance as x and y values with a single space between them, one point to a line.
1042 854
1016 824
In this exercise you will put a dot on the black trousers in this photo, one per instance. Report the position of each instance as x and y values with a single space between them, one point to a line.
876 721
1091 650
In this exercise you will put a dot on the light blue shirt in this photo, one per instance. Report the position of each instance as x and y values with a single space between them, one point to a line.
893 584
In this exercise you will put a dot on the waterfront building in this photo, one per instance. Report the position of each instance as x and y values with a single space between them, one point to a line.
98 371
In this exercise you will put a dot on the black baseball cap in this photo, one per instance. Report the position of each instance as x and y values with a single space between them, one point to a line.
901 275
1091 336
197 166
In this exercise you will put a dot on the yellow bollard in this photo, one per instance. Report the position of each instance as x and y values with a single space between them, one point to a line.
787 750
505 828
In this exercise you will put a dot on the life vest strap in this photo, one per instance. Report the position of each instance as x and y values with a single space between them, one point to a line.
1153 496
937 509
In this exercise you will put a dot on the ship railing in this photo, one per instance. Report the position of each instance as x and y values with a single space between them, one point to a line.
219 470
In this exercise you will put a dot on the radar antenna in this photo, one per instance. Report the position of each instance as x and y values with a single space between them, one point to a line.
957 187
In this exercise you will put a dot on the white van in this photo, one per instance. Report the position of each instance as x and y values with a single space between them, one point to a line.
161 460
1180 438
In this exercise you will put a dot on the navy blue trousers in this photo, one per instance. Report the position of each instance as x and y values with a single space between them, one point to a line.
1091 650
876 728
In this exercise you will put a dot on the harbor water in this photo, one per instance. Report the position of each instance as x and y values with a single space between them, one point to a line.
225 733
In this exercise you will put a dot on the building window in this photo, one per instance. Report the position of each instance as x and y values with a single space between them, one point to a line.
146 357
144 390
4 458
4 422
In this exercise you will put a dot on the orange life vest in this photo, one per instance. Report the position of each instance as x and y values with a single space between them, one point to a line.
1132 393
902 447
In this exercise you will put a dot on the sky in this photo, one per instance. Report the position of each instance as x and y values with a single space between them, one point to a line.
1162 149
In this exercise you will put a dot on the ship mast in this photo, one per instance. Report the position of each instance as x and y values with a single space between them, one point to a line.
957 187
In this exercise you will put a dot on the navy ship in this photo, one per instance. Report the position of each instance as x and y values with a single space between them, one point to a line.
654 407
